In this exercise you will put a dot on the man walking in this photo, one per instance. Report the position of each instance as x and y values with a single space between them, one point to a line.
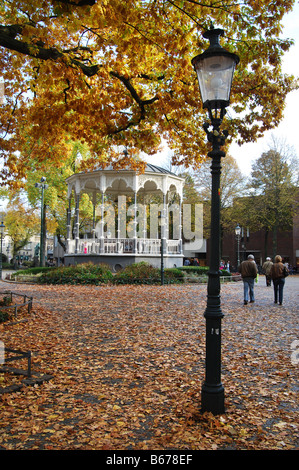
248 270
267 270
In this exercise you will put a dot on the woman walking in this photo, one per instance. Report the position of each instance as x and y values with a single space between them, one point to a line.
278 274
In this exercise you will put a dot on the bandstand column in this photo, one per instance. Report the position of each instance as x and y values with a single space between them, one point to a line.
77 223
180 225
94 223
144 221
121 217
94 200
102 224
68 226
135 222
164 224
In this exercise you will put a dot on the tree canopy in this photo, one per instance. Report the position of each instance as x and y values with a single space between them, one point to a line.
273 188
271 179
21 223
116 73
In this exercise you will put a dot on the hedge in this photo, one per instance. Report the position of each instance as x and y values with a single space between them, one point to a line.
87 273
200 270
145 273
136 273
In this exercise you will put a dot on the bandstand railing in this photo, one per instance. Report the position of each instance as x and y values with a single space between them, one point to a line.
142 246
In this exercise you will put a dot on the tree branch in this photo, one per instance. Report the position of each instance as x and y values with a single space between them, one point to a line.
7 40
37 51
141 103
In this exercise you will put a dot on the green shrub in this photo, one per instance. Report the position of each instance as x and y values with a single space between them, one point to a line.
145 273
223 272
138 273
4 316
87 273
6 265
173 275
199 270
6 301
28 264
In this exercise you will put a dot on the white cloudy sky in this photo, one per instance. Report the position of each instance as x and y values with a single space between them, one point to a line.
288 129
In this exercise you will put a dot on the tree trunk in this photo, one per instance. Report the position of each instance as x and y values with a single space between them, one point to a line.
44 238
274 241
266 243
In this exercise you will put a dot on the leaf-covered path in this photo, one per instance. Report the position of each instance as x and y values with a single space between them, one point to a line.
128 365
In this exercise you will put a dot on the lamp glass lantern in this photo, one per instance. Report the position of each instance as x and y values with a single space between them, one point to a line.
238 230
215 69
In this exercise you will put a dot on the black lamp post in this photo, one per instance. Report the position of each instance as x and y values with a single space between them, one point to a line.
215 69
238 236
43 186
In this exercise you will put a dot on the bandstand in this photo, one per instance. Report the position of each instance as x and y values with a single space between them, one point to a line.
133 216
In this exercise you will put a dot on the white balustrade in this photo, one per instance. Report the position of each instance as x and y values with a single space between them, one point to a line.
150 246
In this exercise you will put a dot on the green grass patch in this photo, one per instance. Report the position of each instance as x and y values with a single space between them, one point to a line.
31 271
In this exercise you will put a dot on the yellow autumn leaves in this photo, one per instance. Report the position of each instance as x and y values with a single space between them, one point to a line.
119 73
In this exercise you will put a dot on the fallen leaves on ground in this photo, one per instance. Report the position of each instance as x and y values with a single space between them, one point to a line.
128 365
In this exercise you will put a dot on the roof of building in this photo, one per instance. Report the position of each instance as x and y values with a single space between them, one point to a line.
157 169
148 168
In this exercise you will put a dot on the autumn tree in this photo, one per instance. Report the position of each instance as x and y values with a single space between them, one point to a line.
274 192
55 196
232 185
232 181
111 73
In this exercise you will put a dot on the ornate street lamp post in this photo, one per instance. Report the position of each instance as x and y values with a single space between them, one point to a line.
43 186
215 69
238 236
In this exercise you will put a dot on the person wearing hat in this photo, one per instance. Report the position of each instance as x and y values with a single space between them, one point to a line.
267 270
248 270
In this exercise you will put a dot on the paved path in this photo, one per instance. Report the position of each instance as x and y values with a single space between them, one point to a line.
264 294
128 365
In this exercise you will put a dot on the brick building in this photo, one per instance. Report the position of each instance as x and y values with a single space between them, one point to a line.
254 243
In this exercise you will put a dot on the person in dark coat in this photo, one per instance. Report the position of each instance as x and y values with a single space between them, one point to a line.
267 270
278 274
248 270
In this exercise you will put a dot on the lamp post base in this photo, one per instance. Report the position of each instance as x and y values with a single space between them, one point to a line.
212 399
212 395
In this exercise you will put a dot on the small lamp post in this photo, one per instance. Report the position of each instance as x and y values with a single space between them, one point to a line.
215 68
43 186
2 227
162 235
238 237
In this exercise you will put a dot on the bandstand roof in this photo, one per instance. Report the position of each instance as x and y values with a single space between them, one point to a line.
125 181
158 169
